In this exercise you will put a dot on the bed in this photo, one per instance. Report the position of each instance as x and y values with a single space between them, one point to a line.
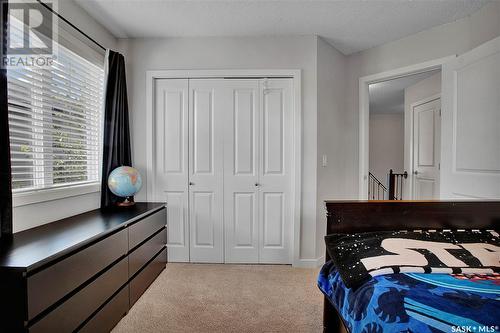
404 301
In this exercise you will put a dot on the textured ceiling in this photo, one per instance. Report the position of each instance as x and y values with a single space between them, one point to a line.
349 25
389 96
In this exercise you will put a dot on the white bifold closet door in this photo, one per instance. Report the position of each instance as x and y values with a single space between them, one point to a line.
257 161
223 159
206 134
170 158
275 174
241 176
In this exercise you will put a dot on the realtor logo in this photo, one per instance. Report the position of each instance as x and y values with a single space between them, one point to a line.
29 33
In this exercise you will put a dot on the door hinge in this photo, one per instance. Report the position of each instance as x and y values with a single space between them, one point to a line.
265 83
439 166
440 112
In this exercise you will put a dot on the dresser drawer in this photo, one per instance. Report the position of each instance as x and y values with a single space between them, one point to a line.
51 284
141 230
109 315
70 314
141 282
146 251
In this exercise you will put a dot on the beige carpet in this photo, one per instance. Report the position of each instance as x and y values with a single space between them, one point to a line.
228 298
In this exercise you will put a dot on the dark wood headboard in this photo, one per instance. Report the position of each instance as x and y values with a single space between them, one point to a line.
364 216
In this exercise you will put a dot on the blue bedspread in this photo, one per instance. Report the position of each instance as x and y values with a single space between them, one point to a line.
417 303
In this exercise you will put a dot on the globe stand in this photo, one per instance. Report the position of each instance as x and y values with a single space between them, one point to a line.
126 202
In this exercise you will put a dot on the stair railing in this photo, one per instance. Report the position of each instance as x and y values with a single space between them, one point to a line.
396 183
376 190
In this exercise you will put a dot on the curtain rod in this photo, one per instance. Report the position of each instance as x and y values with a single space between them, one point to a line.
72 25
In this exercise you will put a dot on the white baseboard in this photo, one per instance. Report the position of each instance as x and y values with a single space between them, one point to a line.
309 263
300 263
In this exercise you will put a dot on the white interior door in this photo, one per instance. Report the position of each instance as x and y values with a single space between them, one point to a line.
171 162
426 150
241 157
275 218
206 125
470 155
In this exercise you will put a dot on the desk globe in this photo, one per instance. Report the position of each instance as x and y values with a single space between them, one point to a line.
125 182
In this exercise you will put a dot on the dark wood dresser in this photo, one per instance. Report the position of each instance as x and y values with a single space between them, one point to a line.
82 273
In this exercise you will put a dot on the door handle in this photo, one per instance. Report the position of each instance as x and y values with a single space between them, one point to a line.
191 183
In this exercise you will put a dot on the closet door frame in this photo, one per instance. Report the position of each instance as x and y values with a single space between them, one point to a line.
296 186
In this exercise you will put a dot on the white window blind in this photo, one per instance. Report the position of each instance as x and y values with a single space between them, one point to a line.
55 121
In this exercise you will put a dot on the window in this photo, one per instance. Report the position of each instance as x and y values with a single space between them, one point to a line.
55 117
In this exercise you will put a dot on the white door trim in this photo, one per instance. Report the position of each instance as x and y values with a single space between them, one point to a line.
364 115
294 74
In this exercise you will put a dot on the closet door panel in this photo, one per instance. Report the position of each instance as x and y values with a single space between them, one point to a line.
241 146
171 161
273 220
275 171
243 116
203 219
176 212
174 128
206 170
203 131
273 131
244 221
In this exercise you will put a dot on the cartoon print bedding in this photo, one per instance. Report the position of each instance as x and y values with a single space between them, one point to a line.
359 256
414 302
414 281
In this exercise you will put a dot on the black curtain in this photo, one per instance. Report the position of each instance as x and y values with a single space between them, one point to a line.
5 168
116 150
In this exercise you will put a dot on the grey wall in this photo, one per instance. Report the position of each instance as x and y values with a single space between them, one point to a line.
386 144
232 53
332 133
329 98
29 216
442 41
80 18
329 92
